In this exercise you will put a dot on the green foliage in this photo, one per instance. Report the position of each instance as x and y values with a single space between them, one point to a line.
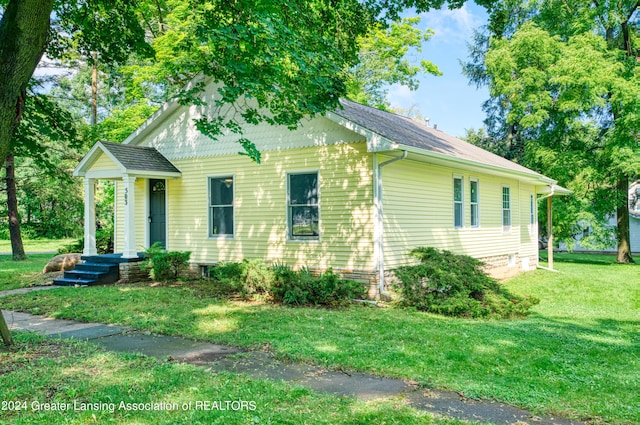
164 265
383 61
565 101
455 285
254 279
299 287
104 243
249 279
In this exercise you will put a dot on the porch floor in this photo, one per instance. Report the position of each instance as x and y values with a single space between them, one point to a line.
112 258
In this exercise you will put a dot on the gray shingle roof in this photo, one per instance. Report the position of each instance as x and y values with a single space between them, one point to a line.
405 131
140 158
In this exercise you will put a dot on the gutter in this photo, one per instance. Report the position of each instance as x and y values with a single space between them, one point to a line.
379 223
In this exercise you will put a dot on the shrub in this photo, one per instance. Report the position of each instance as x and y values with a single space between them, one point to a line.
280 283
301 288
104 243
164 265
455 285
250 278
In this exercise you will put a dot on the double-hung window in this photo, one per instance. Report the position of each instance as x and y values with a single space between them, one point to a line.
458 197
221 206
532 212
303 207
506 208
474 187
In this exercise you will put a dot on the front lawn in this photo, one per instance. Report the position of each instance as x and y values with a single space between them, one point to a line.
19 274
577 355
37 245
94 386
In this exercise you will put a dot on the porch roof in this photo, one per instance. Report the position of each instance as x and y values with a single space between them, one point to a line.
129 160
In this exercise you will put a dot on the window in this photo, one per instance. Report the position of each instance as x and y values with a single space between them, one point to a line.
533 216
457 201
473 202
506 208
303 208
220 206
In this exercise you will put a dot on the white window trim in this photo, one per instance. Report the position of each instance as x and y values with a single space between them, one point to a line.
303 239
209 206
477 203
461 202
506 228
533 214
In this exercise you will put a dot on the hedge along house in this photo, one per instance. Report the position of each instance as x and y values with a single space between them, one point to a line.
317 199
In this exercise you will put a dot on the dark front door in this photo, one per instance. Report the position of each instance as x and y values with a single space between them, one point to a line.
157 212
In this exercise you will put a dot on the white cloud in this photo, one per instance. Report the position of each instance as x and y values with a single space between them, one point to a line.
453 26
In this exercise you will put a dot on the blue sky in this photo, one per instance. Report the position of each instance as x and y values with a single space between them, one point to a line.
448 101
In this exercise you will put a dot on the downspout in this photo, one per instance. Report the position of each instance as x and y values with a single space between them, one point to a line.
549 197
380 217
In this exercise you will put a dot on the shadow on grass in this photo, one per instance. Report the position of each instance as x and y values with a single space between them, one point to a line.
99 385
596 259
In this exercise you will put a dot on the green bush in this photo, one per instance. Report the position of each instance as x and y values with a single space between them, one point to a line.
164 265
280 283
104 244
301 288
455 285
249 279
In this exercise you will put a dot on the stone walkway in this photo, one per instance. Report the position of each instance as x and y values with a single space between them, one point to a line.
263 365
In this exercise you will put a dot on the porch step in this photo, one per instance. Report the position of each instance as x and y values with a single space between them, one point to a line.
64 281
87 274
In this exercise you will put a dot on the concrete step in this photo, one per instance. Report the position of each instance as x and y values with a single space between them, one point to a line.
64 281
97 267
90 273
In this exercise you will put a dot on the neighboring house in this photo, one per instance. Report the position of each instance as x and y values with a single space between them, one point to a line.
316 199
634 226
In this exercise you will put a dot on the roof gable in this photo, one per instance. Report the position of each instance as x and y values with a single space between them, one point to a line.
125 159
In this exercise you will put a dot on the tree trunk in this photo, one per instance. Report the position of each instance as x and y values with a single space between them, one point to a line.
23 38
12 207
624 237
4 330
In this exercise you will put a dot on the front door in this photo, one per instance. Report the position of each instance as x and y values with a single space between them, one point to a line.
157 212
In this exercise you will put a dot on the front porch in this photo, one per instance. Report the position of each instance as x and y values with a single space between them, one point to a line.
126 165
102 270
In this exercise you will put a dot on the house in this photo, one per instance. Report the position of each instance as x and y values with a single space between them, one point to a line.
353 190
634 227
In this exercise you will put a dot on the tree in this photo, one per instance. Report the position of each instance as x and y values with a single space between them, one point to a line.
565 83
382 61
44 141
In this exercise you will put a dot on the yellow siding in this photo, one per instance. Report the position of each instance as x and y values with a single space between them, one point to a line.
418 211
119 217
346 202
528 232
103 163
141 215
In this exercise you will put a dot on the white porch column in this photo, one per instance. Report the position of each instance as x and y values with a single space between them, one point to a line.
89 218
130 250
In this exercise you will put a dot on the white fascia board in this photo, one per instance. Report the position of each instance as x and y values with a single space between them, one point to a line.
154 174
115 174
91 156
443 159
375 142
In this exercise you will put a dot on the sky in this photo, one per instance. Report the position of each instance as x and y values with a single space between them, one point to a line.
448 100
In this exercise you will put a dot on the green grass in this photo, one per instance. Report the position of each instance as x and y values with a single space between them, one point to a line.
576 356
18 274
37 245
74 374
